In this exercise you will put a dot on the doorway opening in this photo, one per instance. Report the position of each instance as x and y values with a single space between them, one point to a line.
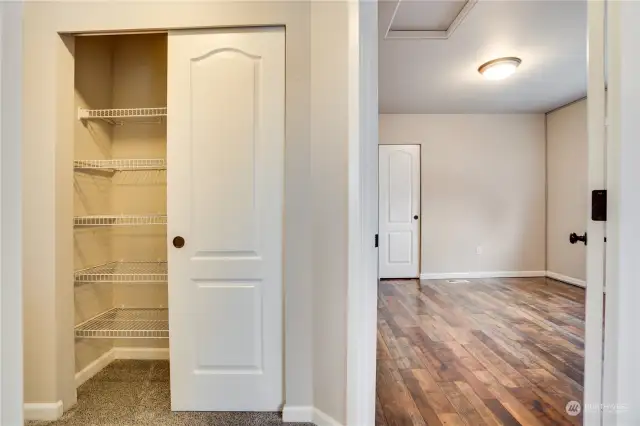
492 330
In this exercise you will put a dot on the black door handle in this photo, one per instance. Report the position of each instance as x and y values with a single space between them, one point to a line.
574 238
415 217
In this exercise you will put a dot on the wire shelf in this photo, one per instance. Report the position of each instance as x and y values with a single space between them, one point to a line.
120 115
124 272
120 220
121 164
128 323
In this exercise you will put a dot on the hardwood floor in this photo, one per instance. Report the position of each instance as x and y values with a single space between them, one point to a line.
490 352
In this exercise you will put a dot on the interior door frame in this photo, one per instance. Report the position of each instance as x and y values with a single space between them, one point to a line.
595 282
621 400
419 200
362 290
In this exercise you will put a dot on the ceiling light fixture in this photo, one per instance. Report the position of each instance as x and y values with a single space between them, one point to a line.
498 69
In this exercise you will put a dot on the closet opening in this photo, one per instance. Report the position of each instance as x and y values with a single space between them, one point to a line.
178 203
120 201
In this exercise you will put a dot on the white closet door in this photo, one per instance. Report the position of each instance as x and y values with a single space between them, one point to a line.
225 199
399 211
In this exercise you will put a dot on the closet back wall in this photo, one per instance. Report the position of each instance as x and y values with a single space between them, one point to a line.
140 81
48 175
482 189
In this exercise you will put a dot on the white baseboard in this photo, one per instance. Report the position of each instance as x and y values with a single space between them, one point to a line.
297 414
307 414
94 368
489 274
119 353
43 411
567 279
141 353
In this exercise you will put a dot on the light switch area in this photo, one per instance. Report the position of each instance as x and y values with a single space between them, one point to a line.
479 250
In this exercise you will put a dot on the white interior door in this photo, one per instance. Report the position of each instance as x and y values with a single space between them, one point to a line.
225 198
399 211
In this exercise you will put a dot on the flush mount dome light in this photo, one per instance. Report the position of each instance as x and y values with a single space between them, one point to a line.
500 68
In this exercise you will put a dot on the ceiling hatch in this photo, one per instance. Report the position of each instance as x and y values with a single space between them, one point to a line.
424 19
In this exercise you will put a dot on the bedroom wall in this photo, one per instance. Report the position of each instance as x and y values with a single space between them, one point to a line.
482 191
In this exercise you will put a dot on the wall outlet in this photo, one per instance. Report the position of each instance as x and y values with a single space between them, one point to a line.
479 250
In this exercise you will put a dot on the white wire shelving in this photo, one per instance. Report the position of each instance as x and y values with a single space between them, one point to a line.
120 220
121 115
121 164
126 323
124 272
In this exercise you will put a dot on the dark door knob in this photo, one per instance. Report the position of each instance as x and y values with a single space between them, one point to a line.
574 238
416 217
178 242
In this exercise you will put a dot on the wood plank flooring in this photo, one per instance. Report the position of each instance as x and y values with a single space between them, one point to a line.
489 352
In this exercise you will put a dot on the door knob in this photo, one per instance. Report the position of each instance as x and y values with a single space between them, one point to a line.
178 242
415 217
574 238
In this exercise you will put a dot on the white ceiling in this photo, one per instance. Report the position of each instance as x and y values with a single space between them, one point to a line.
427 76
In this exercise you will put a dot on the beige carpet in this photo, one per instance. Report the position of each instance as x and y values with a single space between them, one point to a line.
136 393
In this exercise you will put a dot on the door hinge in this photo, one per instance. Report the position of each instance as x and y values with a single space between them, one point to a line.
376 240
599 205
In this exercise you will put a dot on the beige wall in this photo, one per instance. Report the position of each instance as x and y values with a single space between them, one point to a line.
48 175
140 79
567 184
483 185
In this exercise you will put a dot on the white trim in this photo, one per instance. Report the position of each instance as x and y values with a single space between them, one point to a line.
362 216
490 274
567 279
622 348
43 411
615 108
297 414
141 353
594 315
94 368
429 34
503 274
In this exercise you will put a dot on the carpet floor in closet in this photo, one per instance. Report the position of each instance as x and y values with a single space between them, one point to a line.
136 393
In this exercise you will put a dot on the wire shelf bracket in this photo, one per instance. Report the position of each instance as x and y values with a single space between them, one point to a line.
119 116
119 220
121 164
126 323
124 272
